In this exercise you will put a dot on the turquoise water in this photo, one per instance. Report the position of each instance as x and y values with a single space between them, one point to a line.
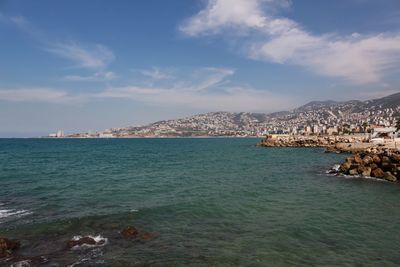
210 202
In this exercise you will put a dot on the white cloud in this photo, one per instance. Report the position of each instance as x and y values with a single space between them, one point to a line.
359 58
96 77
35 95
96 56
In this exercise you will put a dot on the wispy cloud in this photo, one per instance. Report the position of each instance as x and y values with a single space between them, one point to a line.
359 58
157 74
209 90
95 56
89 56
96 77
41 95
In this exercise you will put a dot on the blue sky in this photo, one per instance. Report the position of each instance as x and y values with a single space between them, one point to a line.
90 65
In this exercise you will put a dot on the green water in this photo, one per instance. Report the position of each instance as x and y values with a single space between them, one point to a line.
210 202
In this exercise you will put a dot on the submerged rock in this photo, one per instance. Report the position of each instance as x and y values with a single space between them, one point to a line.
8 246
146 236
129 232
81 241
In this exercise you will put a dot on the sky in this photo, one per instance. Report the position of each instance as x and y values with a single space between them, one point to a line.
90 65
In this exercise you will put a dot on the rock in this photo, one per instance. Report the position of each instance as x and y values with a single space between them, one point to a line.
353 172
385 159
146 236
81 241
390 177
7 247
129 231
350 159
367 160
364 171
373 166
378 173
395 158
358 159
376 159
345 167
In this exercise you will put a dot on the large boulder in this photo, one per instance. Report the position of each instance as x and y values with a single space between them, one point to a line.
376 159
345 167
353 172
358 159
367 160
395 157
378 173
390 177
385 159
373 166
364 171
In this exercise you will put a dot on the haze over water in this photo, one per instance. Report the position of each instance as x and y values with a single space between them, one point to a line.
211 202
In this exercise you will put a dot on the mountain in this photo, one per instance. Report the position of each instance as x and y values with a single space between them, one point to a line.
351 115
391 101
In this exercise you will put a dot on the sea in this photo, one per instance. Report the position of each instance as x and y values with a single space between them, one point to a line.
205 201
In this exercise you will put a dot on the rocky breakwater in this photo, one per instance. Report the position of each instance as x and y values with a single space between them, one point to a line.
380 164
297 141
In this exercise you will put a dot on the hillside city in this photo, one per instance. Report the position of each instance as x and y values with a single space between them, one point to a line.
324 117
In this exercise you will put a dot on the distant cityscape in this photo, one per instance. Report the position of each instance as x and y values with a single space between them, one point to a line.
314 118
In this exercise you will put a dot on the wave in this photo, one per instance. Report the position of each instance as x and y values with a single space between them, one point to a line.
6 213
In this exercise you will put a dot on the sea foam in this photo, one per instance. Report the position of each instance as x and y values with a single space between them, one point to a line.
5 213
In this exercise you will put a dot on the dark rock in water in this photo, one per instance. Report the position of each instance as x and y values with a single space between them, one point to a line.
345 167
334 170
7 247
129 231
146 236
81 241
390 177
377 173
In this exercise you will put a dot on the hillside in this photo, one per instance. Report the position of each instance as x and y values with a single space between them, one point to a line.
351 115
